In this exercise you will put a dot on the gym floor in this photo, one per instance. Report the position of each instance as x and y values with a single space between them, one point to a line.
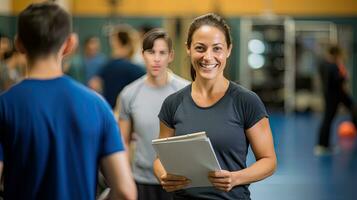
300 174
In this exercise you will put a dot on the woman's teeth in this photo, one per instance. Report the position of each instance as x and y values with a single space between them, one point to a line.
208 66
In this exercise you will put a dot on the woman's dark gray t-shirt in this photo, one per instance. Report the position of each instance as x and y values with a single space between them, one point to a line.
225 123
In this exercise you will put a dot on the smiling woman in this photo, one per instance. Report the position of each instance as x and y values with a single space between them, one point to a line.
212 41
209 52
232 117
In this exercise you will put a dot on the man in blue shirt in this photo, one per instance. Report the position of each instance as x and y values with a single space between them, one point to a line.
55 132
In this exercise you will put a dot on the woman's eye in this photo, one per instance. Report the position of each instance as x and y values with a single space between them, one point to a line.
217 49
199 48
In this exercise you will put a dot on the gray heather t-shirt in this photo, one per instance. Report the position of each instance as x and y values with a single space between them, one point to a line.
225 123
141 103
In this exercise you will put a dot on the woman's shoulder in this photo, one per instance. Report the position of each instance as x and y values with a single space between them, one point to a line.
243 97
239 91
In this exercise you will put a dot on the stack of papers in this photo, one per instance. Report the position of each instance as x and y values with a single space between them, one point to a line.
188 155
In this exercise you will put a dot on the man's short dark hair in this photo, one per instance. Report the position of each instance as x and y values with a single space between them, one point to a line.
154 34
43 28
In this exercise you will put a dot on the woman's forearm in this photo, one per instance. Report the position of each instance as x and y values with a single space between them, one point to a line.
261 169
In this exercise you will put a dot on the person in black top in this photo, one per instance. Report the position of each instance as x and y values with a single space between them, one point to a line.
232 117
119 71
333 75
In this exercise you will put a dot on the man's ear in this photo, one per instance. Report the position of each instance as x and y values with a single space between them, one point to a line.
19 46
171 56
70 44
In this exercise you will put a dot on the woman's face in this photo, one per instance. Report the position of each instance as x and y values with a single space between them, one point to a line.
208 52
158 58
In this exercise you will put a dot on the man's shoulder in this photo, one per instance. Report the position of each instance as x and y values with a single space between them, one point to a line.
15 89
132 87
179 81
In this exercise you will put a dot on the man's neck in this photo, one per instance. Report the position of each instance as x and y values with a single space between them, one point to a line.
46 68
159 81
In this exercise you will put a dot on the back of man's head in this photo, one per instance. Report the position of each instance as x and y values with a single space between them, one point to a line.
42 29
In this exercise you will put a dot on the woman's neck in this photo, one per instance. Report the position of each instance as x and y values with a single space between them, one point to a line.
210 87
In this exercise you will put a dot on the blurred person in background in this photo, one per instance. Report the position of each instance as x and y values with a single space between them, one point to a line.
138 57
334 76
93 59
73 65
5 45
119 71
12 69
139 104
83 67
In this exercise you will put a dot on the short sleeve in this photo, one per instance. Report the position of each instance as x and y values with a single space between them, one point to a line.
167 112
253 110
124 106
111 140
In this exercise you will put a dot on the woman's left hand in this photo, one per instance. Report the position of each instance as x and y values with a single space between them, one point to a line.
222 180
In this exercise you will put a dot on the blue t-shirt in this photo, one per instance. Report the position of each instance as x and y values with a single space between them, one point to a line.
54 133
115 75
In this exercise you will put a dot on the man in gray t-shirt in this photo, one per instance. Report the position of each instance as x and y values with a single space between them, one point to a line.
140 103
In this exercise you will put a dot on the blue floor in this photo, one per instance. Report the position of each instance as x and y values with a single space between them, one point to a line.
301 175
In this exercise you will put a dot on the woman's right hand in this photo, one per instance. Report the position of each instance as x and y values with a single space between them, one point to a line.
172 182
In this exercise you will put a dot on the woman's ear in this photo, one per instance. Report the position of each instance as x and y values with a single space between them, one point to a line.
19 46
188 51
229 50
70 44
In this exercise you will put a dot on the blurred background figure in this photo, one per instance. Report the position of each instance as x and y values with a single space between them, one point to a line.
93 58
137 57
334 76
84 66
12 69
5 45
119 71
73 65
